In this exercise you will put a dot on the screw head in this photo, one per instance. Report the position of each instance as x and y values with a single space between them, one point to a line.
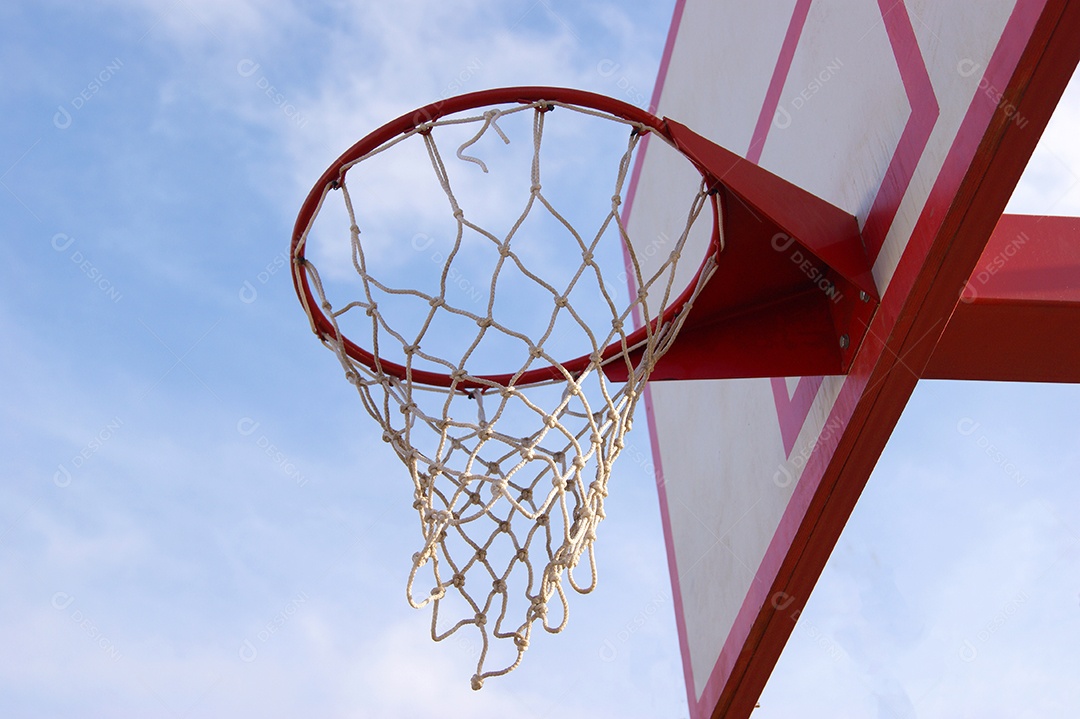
845 342
863 296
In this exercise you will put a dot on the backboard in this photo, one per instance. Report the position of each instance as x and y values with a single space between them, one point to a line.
917 117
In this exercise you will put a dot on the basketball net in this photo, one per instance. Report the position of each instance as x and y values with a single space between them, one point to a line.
506 521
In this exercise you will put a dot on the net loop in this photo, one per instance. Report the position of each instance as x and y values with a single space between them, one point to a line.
490 118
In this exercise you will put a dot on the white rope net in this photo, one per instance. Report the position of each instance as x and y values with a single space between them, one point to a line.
508 480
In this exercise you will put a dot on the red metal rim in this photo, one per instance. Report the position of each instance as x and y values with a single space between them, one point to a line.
409 121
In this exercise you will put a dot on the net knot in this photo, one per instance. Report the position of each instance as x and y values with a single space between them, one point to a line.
560 301
617 324
535 189
484 322
481 554
410 350
521 641
499 586
437 302
458 580
459 375
538 606
371 310
616 200
579 461
477 683
481 619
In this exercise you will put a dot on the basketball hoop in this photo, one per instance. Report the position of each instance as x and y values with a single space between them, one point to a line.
509 469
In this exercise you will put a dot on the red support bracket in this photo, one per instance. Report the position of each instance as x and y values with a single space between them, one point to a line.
1018 316
793 292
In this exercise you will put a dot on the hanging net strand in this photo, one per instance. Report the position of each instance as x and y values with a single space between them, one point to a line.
506 520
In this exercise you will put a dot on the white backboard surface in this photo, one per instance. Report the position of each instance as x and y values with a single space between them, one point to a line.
878 107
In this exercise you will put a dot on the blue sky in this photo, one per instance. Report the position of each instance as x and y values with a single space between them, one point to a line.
200 520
